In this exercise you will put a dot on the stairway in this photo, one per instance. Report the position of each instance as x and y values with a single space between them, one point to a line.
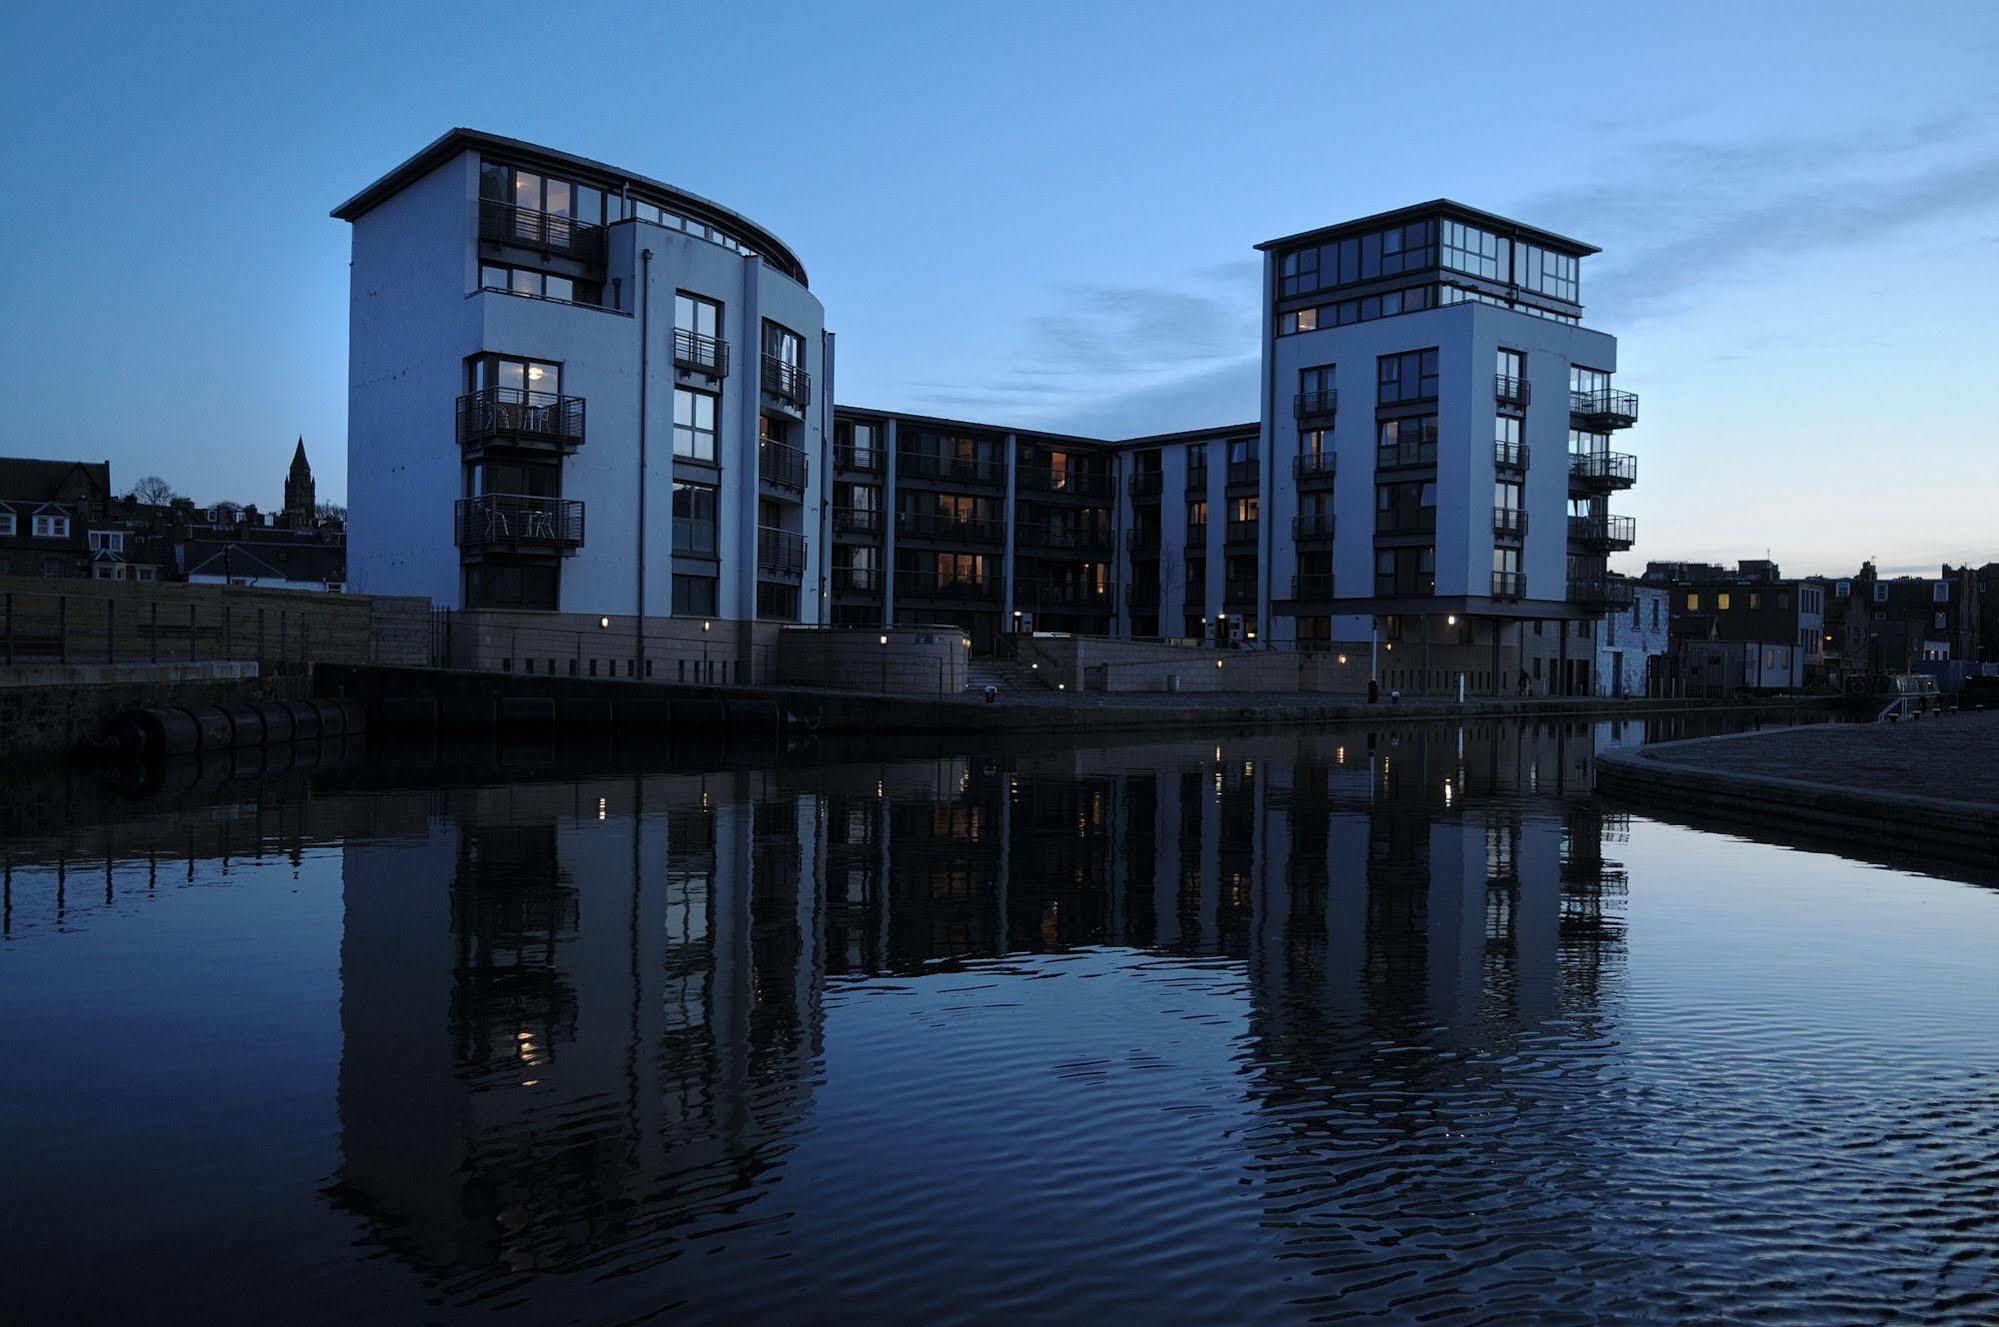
1012 678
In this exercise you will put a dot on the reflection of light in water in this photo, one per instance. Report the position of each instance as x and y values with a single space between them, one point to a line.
602 804
1447 792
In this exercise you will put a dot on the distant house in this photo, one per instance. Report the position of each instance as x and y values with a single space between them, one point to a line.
1775 627
52 515
1632 644
266 557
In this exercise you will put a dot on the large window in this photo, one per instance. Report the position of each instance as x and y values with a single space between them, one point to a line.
693 313
530 375
1475 251
1318 379
497 586
693 595
528 479
51 525
694 519
1391 251
1546 272
694 424
1410 376
541 285
783 345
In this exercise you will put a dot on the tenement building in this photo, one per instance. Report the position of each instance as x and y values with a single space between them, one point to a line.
577 389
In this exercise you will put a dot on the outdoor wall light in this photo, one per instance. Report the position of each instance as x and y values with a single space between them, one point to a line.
1252 635
1218 663
1451 620
1343 658
706 625
603 621
884 640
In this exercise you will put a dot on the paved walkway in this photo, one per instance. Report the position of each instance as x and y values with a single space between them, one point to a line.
1955 757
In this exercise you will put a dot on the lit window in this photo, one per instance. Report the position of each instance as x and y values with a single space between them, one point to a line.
1721 603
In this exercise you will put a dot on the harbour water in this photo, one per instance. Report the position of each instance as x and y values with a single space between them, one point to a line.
1391 1024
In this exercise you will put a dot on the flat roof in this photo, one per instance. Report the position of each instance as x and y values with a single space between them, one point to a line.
1491 220
1185 435
595 173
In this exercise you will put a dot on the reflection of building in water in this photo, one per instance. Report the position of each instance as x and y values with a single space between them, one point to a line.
567 1022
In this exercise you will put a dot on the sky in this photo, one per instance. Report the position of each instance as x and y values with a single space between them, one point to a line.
1043 215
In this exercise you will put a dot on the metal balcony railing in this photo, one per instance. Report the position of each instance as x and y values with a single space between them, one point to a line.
1509 585
931 585
1243 472
701 354
1314 587
1147 484
925 465
856 520
1403 455
787 382
949 529
1312 528
780 552
1238 591
504 223
1313 466
1509 455
1512 391
1509 522
867 460
1602 592
1605 409
514 414
1316 405
1035 535
518 522
1142 594
1039 594
1197 534
1144 539
1409 520
1608 532
782 465
1197 479
1240 532
1607 470
1063 483
857 580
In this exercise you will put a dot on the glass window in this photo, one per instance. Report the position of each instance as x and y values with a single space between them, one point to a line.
693 424
693 313
693 518
693 595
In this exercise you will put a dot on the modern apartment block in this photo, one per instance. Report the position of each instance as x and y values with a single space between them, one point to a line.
575 388
581 390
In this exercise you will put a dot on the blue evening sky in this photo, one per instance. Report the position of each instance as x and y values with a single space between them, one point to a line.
1042 214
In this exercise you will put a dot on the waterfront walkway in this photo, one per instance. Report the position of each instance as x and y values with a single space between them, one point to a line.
1932 783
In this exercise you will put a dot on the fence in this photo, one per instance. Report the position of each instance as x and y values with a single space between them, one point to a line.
109 622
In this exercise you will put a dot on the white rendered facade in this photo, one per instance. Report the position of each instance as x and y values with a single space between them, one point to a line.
443 429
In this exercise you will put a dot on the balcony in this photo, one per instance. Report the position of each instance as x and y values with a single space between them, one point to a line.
512 523
861 460
931 585
1145 539
787 382
1240 532
1406 521
1405 455
700 354
1314 468
1602 594
1605 534
1512 391
1244 474
780 552
948 529
1509 585
1509 456
1601 411
1238 591
1147 484
1063 483
967 469
1037 595
1306 406
1603 471
516 417
857 580
781 465
1197 535
1409 583
1142 596
1312 587
1509 522
1314 528
857 520
525 228
1197 480
1035 535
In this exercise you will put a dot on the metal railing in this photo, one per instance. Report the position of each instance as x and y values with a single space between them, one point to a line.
1413 520
1148 484
514 413
1509 585
1032 535
1066 483
949 529
925 465
1609 469
1315 405
512 520
1509 455
780 551
1243 472
856 520
1602 592
1311 466
1312 586
1510 522
702 354
865 459
1142 594
782 464
1040 594
1197 480
922 585
1402 455
1311 527
787 382
1609 531
1605 409
1238 591
1143 539
1512 391
1240 532
505 223
1197 534
857 580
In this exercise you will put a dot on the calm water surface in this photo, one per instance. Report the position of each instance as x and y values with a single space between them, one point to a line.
1391 1025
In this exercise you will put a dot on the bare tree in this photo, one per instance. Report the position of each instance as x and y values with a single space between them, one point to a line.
153 491
330 511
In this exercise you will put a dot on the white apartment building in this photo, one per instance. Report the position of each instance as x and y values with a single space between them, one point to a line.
573 388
